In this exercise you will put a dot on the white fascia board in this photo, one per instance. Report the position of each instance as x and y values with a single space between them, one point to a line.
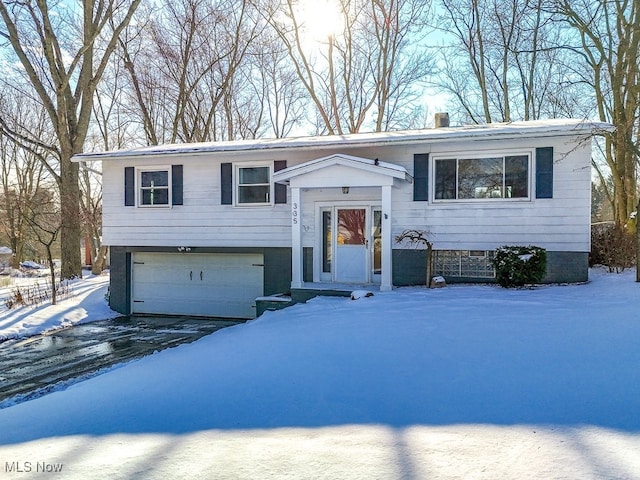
359 163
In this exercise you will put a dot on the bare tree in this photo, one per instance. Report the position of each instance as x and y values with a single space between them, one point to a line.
113 128
91 210
63 51
265 96
504 64
21 175
182 63
362 74
608 43
281 92
43 218
22 168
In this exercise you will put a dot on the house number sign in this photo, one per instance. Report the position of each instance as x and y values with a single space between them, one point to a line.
294 213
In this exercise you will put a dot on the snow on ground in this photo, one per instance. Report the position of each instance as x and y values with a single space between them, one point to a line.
461 382
85 303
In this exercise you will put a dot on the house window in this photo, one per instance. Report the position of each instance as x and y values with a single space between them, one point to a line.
254 185
495 177
154 187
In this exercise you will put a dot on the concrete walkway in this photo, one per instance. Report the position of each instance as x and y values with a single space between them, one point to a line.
32 366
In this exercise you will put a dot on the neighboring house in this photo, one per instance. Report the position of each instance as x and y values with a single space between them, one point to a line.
204 229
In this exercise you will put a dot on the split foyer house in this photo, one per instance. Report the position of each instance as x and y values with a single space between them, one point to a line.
205 229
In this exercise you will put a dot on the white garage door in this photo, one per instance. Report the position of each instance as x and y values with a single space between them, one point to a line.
213 285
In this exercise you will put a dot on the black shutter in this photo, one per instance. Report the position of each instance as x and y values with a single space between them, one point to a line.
226 184
421 177
129 186
176 184
544 172
280 189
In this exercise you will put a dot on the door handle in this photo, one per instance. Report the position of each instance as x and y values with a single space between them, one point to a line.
200 275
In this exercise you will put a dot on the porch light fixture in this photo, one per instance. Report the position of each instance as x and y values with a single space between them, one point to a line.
345 190
184 249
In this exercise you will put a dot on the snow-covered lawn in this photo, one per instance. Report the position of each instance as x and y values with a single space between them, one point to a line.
469 382
85 303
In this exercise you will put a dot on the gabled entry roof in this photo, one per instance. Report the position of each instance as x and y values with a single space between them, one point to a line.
365 165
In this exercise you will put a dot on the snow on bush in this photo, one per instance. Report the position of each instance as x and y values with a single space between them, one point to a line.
517 266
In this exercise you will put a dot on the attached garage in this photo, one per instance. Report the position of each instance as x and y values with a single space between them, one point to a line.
212 285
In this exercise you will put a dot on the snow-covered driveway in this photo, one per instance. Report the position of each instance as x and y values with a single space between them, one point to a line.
33 366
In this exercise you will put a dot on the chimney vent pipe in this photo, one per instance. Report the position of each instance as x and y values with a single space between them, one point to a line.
441 120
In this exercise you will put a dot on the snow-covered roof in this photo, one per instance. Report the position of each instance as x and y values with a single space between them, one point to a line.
538 128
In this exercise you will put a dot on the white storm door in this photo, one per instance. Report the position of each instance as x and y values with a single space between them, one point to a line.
351 246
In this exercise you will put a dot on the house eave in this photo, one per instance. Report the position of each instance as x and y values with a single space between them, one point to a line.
533 129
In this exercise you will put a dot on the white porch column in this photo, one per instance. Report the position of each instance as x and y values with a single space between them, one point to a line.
387 241
296 239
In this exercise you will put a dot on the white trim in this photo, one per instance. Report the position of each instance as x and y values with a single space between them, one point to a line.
386 282
480 154
296 239
359 163
318 241
318 274
236 184
138 185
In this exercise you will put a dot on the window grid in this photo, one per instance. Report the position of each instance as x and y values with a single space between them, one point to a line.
254 185
154 188
480 178
460 263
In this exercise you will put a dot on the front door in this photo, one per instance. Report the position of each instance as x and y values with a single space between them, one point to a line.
351 246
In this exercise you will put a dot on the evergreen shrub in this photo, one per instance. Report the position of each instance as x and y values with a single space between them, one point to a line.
517 266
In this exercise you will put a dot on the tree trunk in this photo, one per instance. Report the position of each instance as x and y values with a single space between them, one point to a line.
638 242
52 273
71 232
99 260
16 256
429 268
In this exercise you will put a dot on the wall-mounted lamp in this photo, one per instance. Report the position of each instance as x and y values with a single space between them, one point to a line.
345 190
184 249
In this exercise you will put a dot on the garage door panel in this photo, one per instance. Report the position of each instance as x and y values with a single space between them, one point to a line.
221 285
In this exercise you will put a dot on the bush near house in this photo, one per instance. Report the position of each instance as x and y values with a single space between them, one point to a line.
612 246
517 266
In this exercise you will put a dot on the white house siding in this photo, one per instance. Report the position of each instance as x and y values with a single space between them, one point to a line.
559 224
200 221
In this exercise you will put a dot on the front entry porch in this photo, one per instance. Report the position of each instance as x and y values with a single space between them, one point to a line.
308 291
341 208
313 289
